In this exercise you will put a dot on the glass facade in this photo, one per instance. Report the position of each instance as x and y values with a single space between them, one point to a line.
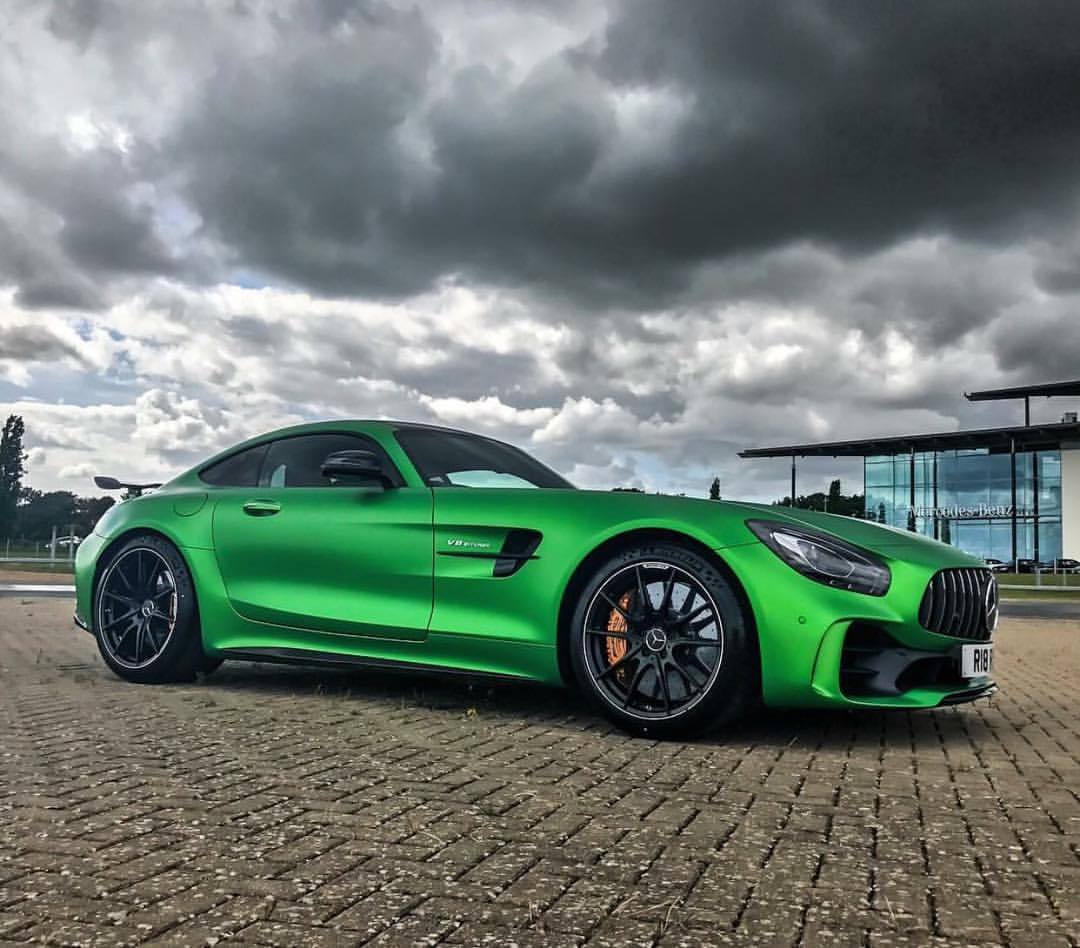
965 498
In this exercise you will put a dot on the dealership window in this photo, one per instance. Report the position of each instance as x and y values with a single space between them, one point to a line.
964 498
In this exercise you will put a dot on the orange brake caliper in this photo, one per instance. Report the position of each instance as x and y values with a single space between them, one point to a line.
616 648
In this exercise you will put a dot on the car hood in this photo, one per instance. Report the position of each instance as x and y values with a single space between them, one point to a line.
876 537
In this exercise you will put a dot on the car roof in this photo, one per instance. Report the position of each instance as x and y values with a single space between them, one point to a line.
385 422
334 424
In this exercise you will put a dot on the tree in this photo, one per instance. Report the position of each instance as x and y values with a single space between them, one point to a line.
12 468
946 531
911 524
881 512
835 501
714 489
88 511
39 512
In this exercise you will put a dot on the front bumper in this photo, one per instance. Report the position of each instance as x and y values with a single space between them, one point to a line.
972 694
863 664
803 628
86 559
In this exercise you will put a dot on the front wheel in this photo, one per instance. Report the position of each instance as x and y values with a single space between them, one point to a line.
145 617
661 644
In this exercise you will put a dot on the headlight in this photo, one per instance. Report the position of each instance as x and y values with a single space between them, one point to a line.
824 558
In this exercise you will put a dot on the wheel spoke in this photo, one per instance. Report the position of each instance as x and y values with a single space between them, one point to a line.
123 635
614 605
698 663
689 616
692 684
129 600
661 672
634 682
118 619
669 586
165 592
128 585
643 595
607 634
696 643
619 664
152 637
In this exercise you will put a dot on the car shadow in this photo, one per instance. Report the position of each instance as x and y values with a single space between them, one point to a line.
528 703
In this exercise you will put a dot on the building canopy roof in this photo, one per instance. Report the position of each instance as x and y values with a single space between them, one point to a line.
1047 390
1027 437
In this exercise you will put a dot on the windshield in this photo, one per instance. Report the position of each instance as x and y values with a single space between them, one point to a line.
456 459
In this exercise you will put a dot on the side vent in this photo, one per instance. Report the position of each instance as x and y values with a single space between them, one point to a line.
518 547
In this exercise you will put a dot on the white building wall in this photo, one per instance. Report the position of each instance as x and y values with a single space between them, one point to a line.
1070 500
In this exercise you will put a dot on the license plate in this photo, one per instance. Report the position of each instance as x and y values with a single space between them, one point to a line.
976 661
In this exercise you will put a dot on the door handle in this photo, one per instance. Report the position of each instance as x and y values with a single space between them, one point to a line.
262 508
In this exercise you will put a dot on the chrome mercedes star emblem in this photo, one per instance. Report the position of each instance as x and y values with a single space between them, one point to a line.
655 639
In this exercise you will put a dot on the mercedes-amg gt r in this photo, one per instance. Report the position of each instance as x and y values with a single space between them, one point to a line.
409 546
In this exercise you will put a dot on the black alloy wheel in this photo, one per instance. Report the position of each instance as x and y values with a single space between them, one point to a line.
145 616
137 607
654 640
662 645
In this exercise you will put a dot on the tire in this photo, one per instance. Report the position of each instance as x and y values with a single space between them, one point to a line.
209 665
661 645
146 620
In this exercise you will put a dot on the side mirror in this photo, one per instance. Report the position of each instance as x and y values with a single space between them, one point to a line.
358 463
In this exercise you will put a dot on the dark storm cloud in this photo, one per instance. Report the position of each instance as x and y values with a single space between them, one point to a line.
298 160
79 225
33 344
339 164
41 274
1041 345
855 123
74 20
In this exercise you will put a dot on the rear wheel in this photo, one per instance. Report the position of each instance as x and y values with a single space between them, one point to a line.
145 618
661 644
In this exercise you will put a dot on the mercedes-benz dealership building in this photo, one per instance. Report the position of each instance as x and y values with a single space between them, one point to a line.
1002 493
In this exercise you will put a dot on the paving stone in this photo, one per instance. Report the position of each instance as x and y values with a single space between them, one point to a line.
287 807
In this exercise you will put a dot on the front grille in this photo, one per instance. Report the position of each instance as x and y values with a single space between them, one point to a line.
956 603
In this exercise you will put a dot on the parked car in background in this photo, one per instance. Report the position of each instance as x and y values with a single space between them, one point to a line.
996 566
1025 565
1066 564
63 544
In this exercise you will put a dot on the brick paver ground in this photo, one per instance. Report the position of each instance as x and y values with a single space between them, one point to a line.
284 807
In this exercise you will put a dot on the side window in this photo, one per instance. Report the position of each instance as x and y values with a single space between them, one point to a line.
297 462
237 470
456 459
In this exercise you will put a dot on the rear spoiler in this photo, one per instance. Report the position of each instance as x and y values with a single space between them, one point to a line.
111 483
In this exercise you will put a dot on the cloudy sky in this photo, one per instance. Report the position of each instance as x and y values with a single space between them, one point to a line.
632 237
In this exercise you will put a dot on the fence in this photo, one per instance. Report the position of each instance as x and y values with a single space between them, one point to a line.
59 550
1042 580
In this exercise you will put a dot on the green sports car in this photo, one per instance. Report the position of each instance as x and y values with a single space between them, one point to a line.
408 546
